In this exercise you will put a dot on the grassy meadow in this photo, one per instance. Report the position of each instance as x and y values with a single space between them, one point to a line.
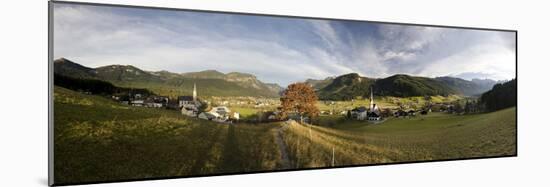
433 137
97 139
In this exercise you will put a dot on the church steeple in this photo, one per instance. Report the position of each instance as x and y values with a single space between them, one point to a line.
194 92
371 99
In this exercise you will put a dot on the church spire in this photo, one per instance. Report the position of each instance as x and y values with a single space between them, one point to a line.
371 99
194 92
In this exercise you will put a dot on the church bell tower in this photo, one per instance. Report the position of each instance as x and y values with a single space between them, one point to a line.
194 92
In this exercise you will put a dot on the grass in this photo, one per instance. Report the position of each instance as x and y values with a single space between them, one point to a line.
432 137
245 112
100 140
97 139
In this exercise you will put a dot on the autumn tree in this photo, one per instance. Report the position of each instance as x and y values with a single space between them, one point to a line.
300 99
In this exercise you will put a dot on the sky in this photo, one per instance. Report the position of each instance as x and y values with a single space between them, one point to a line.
275 49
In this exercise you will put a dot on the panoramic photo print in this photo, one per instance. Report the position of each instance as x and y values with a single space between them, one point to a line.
143 93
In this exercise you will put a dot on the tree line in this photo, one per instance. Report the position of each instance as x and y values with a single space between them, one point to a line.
97 87
503 95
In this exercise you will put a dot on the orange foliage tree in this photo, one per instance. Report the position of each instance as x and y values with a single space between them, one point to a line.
300 99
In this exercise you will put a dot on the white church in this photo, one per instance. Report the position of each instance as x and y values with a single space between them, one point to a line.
372 113
189 104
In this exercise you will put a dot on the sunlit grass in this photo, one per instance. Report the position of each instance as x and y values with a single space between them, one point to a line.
97 139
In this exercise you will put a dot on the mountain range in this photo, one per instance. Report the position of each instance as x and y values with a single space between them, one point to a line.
215 83
351 85
209 82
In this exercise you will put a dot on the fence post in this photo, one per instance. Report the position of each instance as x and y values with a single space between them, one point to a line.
332 156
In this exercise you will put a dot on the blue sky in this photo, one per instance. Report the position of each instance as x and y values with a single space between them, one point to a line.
275 49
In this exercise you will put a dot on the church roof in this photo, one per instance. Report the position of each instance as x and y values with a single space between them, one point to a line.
185 98
360 109
373 114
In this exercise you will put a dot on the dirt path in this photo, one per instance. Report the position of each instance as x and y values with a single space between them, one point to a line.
285 161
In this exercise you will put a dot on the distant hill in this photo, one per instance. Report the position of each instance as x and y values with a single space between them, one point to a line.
348 86
66 67
345 87
242 79
503 95
467 87
487 84
207 74
215 83
319 84
406 86
209 83
125 73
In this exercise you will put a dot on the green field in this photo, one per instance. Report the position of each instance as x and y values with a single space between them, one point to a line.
245 112
97 139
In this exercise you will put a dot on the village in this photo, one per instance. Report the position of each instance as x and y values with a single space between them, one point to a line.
252 109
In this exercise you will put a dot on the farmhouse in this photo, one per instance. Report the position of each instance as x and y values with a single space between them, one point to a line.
137 103
359 113
221 110
156 101
189 111
219 114
236 115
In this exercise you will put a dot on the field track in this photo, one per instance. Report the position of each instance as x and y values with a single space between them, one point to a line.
285 160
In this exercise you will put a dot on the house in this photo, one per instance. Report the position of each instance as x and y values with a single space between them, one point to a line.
185 100
207 116
153 104
137 103
236 116
189 111
156 101
218 114
359 113
173 104
124 99
221 110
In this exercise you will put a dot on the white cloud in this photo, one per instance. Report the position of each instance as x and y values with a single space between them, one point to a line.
179 42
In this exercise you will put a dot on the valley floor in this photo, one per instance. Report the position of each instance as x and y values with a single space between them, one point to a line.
97 139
